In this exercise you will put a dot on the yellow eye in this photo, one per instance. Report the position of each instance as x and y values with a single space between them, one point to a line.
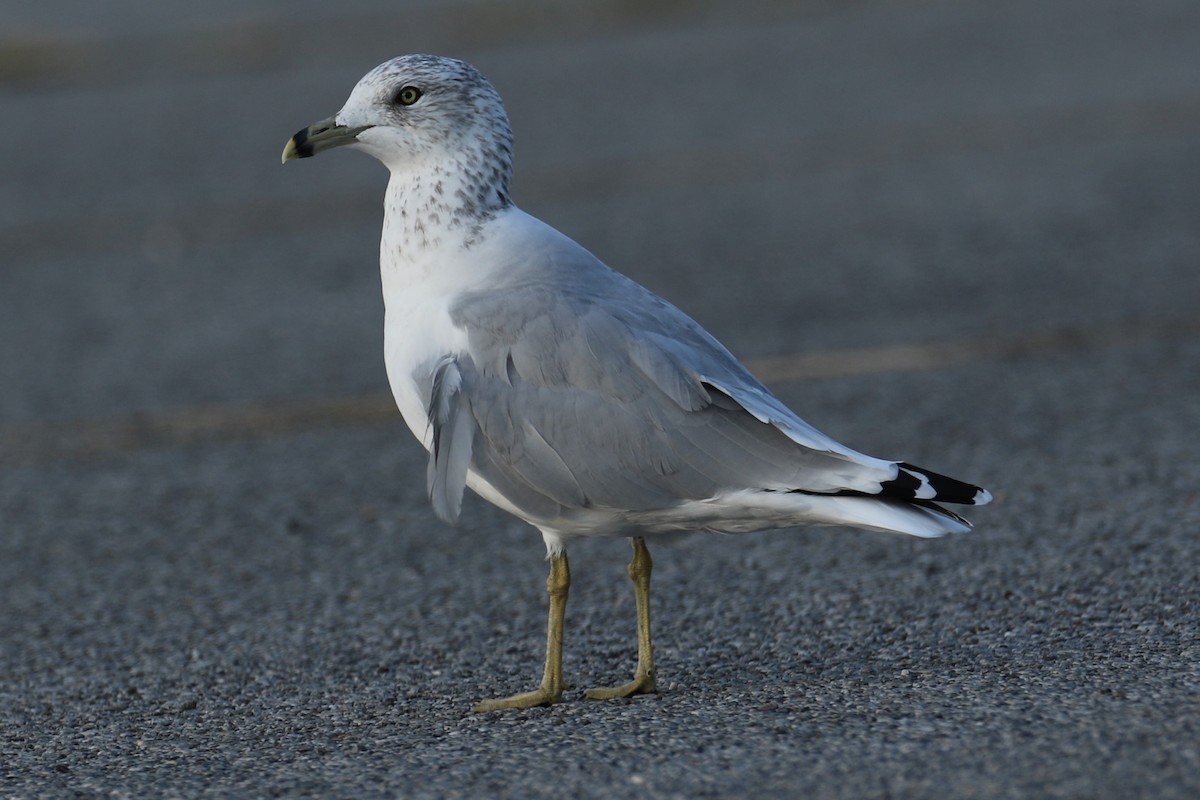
406 95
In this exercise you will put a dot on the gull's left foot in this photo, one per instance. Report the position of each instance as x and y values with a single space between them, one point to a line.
550 690
538 697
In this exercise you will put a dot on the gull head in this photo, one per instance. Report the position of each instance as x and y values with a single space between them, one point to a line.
418 113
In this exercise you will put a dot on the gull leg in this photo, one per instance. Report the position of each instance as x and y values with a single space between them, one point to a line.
551 688
643 676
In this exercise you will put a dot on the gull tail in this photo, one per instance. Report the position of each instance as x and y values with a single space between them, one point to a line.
914 517
904 504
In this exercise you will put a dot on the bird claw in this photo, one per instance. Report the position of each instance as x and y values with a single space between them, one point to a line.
641 684
538 697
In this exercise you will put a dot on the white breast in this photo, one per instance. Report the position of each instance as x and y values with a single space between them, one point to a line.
418 293
416 332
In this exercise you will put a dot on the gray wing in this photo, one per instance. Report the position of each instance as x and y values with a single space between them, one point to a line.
580 388
453 433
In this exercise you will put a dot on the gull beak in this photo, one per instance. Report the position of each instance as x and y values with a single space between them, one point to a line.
323 135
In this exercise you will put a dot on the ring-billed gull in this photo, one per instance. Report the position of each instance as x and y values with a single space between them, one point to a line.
561 390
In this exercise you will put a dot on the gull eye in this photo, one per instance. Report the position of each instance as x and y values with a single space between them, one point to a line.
406 96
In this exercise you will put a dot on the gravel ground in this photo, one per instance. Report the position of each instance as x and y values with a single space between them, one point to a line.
242 592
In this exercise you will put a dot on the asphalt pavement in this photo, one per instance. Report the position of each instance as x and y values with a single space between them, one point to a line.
961 234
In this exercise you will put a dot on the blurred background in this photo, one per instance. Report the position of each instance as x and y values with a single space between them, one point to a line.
856 175
201 473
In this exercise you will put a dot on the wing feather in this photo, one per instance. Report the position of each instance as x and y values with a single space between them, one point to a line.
616 399
453 430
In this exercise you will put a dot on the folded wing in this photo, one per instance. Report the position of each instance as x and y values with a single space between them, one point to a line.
581 389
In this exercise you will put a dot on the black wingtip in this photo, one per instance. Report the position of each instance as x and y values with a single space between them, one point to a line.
945 488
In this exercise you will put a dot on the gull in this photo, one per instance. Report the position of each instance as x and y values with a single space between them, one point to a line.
562 391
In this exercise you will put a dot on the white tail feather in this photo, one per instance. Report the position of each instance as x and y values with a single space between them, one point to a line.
893 516
747 510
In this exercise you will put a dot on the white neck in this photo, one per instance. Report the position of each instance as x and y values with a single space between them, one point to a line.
439 204
429 216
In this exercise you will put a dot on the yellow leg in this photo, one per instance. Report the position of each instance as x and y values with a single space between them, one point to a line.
643 676
552 686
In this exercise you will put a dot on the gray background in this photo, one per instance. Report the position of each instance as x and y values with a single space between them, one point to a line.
220 575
